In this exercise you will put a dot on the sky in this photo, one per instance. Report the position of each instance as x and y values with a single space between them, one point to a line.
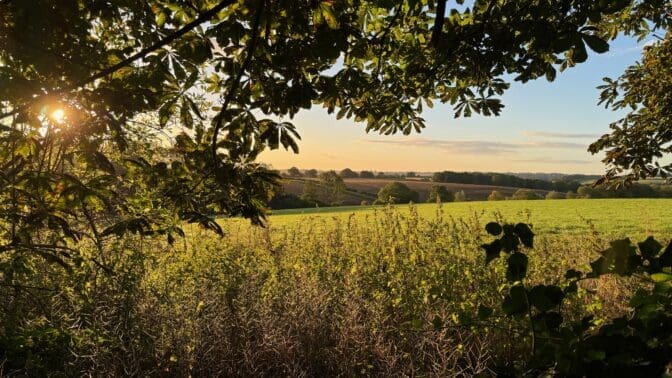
544 127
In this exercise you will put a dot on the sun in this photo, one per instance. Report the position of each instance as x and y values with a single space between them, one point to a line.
58 115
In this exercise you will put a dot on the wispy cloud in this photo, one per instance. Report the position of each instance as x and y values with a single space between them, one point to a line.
475 147
616 52
545 134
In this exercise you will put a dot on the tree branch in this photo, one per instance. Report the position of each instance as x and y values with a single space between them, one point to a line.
126 62
236 81
439 20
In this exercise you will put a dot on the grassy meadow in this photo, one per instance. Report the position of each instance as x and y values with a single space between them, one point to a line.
383 291
617 217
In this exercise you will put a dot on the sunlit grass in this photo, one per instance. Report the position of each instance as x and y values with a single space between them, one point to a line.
617 217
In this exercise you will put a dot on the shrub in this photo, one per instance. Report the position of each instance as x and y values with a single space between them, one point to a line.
396 192
460 196
554 195
636 344
348 173
288 201
364 203
496 196
439 193
525 194
294 172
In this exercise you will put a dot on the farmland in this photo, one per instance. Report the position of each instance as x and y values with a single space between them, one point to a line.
618 217
331 291
366 189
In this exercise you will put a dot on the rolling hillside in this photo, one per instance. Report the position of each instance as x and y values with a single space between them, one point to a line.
366 189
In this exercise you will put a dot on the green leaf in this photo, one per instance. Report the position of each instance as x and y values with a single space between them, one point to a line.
596 43
510 242
525 234
516 301
620 258
493 228
666 258
572 273
492 250
661 277
328 15
649 248
517 267
579 53
545 298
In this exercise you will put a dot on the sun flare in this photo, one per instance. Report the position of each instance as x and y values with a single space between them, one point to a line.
58 115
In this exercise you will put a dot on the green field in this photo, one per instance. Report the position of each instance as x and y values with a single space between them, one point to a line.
615 217
349 291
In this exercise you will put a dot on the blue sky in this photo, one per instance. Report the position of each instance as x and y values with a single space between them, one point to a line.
545 127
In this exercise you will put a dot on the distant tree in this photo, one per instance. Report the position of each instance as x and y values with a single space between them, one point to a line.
294 172
348 173
311 192
381 175
366 174
525 194
288 201
364 203
496 196
310 173
555 195
396 192
439 193
410 174
460 196
571 195
589 192
333 186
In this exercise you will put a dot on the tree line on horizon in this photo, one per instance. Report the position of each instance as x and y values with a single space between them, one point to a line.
331 190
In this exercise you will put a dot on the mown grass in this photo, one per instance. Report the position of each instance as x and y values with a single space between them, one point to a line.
388 291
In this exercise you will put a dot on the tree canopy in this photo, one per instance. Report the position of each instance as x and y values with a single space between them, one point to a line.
643 137
439 193
396 192
138 115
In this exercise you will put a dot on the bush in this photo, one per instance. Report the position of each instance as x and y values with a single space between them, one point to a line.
288 201
364 203
294 172
496 196
439 193
554 195
348 173
396 192
460 196
636 344
525 194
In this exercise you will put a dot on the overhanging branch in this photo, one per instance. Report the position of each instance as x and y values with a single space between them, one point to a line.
126 62
236 81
